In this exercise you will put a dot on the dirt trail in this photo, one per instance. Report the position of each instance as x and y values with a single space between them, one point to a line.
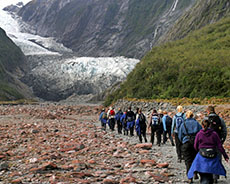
65 144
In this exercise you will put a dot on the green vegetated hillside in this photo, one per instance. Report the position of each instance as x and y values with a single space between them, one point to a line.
11 61
196 66
203 13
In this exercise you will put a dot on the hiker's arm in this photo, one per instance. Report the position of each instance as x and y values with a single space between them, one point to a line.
223 131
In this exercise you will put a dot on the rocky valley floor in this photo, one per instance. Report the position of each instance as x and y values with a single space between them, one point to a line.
65 144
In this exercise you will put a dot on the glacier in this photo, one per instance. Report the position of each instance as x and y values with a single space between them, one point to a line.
55 72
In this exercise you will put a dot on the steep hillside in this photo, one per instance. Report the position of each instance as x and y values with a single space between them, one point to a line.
105 28
204 12
12 67
196 66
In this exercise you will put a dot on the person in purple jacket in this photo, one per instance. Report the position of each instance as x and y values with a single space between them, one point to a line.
207 162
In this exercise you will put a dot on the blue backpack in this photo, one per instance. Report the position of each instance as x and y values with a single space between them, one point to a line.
179 121
155 120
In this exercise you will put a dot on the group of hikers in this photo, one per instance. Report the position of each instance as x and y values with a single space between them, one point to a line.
199 145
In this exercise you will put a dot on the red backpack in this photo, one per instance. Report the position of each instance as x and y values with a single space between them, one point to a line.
112 112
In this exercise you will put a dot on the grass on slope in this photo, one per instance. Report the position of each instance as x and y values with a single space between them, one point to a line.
196 66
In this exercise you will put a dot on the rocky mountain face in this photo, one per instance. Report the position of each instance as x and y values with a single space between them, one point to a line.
13 65
104 28
204 12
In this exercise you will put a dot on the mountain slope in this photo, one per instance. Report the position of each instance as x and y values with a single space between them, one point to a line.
204 12
196 66
12 67
105 28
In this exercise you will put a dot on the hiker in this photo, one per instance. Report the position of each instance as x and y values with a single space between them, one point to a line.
167 125
154 123
118 120
130 119
111 117
136 116
103 119
178 119
207 163
160 114
219 126
141 125
124 123
186 135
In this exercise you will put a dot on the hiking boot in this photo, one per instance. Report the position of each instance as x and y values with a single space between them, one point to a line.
190 181
195 177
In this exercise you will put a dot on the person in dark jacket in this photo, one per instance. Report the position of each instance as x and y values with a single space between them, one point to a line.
130 119
207 140
141 125
222 131
154 123
186 133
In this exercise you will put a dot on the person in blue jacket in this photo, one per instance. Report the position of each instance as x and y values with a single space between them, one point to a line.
186 135
178 119
118 120
103 118
124 123
167 125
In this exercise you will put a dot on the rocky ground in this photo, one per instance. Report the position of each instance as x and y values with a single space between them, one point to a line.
65 144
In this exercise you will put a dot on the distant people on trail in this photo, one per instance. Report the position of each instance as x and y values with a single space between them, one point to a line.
141 125
167 125
118 120
219 126
186 134
130 119
154 124
124 123
111 117
207 162
178 119
103 118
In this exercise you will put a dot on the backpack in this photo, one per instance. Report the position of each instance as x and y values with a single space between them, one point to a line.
179 121
168 121
118 115
141 118
155 120
215 123
104 116
112 112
